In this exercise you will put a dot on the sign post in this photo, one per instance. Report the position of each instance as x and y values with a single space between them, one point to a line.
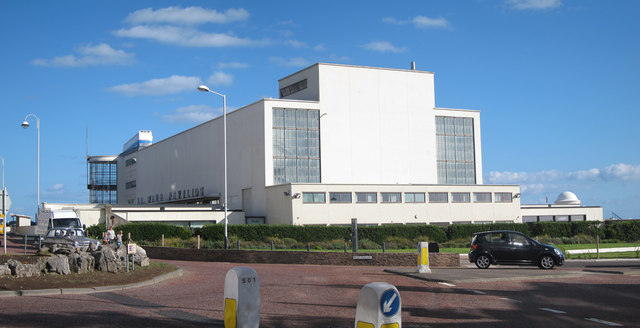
241 298
379 306
423 257
131 254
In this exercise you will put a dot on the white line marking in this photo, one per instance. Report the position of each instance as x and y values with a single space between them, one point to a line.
552 310
478 292
510 300
447 284
608 323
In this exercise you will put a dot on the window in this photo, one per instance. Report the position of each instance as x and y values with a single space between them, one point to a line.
414 197
455 150
366 197
460 197
291 89
130 161
313 197
340 197
130 184
296 145
391 197
438 197
482 197
503 197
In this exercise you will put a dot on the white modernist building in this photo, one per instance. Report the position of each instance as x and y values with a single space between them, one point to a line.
341 142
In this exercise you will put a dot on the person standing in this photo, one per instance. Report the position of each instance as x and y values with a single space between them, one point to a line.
111 234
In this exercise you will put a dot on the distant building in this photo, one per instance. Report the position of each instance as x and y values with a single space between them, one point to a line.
342 142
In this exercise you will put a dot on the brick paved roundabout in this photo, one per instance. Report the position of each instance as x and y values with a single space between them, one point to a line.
326 296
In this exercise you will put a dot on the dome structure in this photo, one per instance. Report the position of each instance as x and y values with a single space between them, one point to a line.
567 198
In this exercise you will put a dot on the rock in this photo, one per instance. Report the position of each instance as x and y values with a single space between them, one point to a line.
58 264
22 270
81 262
107 260
5 271
141 258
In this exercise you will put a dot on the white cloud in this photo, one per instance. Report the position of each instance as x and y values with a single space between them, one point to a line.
383 46
156 87
233 65
419 22
57 186
533 4
220 78
295 44
186 16
99 55
192 114
187 37
615 172
291 62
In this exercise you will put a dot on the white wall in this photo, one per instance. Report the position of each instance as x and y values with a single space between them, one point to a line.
383 213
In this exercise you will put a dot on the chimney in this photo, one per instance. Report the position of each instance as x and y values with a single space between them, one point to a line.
413 66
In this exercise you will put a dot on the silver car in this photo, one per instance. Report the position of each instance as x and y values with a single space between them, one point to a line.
68 237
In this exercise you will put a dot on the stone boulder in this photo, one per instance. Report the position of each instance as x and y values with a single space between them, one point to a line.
107 260
81 262
5 271
140 257
23 270
58 264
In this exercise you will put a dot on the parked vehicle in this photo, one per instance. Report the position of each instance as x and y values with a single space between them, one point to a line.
512 247
68 236
54 219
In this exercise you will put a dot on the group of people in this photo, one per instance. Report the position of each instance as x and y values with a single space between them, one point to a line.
110 237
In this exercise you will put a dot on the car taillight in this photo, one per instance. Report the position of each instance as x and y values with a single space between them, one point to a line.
474 246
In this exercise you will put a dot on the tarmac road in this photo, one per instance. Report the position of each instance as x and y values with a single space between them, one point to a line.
326 296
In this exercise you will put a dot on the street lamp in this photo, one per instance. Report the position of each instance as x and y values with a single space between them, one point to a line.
25 125
4 210
204 88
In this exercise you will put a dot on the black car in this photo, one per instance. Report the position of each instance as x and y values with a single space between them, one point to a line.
512 247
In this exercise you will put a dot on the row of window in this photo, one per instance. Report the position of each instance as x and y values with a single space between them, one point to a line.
409 197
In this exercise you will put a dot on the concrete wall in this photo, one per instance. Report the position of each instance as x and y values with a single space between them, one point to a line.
281 206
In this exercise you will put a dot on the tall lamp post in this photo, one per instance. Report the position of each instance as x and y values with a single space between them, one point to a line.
204 88
25 125
4 210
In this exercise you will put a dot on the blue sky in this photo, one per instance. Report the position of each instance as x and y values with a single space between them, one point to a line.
557 81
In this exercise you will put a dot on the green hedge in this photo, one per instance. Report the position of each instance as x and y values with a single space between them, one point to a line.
153 231
616 230
458 231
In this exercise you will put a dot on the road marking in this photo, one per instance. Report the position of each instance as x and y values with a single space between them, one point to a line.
477 292
552 310
608 323
510 300
447 284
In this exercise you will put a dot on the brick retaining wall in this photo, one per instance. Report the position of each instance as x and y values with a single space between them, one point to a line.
300 257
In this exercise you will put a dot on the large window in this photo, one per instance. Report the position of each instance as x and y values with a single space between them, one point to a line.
414 197
340 197
460 197
296 145
366 197
313 197
438 197
391 197
482 197
503 197
455 150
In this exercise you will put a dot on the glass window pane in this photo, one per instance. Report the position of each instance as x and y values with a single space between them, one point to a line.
290 118
301 117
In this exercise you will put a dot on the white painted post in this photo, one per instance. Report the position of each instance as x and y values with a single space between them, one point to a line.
241 298
379 306
423 257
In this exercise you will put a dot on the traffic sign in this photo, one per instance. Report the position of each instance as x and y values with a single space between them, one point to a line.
390 302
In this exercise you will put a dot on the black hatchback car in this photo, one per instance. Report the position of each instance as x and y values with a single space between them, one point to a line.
512 247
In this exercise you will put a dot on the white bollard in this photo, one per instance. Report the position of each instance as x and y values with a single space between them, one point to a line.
379 306
423 257
241 298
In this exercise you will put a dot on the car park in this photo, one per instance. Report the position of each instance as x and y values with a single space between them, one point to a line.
512 247
68 237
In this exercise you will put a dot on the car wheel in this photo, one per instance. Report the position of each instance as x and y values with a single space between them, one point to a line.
547 262
483 261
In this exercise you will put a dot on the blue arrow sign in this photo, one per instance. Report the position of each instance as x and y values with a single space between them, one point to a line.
390 302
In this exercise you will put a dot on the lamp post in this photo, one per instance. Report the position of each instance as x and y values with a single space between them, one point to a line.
204 88
4 211
25 125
